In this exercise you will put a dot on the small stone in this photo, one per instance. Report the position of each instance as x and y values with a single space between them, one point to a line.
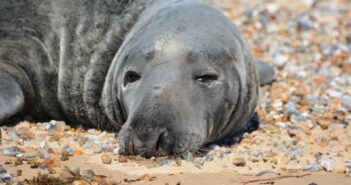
106 159
312 183
19 172
189 157
122 159
336 154
281 124
239 162
45 168
166 163
199 162
12 135
255 160
44 154
18 162
79 182
69 151
327 165
42 144
75 171
341 170
318 155
209 157
264 172
11 151
64 158
2 170
313 168
274 160
82 140
305 23
89 175
7 178
19 155
280 61
298 152
52 171
115 151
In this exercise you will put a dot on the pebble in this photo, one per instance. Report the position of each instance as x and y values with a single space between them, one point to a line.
240 162
44 154
189 157
122 159
42 144
12 135
166 163
106 159
7 178
305 23
199 161
11 151
89 175
341 170
79 182
336 154
19 155
327 165
313 168
2 170
75 171
281 124
68 150
115 151
209 157
280 61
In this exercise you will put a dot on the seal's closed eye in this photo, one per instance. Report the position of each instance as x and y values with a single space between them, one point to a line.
131 77
206 78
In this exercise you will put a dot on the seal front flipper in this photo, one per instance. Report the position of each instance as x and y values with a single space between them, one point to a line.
265 72
11 96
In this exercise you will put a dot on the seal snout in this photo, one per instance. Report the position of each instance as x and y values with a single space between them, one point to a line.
145 142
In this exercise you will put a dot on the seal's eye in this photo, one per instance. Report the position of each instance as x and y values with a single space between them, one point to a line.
131 77
206 78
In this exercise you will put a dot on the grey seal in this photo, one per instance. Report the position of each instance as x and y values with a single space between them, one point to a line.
169 76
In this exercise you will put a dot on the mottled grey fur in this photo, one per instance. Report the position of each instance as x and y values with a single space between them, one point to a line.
70 60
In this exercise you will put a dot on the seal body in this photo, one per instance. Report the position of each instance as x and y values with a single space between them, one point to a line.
60 52
168 75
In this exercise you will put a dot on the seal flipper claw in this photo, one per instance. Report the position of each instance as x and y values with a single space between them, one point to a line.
11 97
265 72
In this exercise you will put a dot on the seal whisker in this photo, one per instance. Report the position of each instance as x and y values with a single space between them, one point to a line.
116 123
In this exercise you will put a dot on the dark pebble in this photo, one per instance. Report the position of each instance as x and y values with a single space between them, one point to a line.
2 170
89 175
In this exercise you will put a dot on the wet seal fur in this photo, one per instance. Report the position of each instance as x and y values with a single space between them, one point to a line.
170 76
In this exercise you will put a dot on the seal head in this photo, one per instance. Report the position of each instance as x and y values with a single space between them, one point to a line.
183 77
